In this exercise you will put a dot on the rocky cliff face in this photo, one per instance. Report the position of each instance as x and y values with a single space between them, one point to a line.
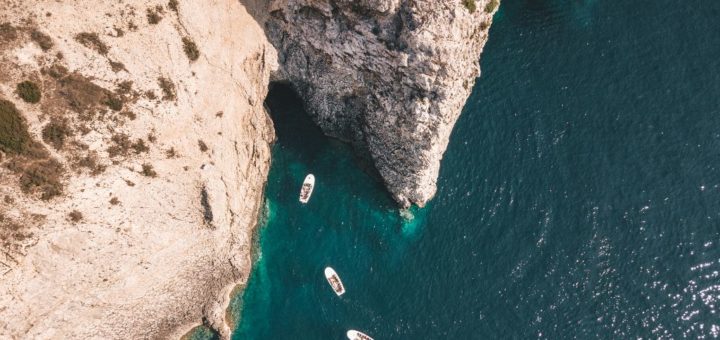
134 145
134 148
390 76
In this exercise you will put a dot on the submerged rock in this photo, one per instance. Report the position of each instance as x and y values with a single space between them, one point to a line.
389 76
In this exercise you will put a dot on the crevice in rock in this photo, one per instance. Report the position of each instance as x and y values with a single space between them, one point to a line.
207 210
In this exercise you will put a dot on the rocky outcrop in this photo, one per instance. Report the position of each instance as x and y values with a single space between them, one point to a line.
134 149
134 145
390 76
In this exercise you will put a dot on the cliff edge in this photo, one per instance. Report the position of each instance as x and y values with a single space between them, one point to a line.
134 149
134 146
390 76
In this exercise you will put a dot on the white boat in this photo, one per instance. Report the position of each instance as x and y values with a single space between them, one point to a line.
307 188
334 281
357 335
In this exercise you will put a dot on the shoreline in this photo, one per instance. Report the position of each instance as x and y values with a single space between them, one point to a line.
230 291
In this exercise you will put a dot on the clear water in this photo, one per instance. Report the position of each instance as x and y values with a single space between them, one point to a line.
579 196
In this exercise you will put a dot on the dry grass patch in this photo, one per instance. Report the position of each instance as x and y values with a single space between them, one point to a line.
8 32
56 132
203 147
125 87
148 170
117 66
168 88
75 216
56 71
90 162
10 231
128 114
43 40
80 93
139 146
121 145
191 49
171 153
154 15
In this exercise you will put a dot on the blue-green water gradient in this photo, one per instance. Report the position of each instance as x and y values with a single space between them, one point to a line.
579 196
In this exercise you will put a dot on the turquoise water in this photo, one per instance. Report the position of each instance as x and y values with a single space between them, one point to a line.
579 196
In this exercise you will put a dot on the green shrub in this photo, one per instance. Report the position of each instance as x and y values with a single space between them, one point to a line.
470 5
491 6
191 49
114 103
29 92
173 5
14 135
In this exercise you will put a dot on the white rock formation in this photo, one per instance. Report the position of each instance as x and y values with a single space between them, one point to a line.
390 76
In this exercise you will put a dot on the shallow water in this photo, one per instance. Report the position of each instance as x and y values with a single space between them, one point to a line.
579 196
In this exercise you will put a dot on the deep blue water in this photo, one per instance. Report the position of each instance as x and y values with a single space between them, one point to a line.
579 196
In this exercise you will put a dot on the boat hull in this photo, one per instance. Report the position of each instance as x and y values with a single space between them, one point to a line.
307 188
334 280
356 335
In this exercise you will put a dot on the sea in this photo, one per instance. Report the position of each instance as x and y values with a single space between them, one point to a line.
579 197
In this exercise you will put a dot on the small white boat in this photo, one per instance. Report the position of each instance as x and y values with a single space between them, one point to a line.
307 188
334 281
357 335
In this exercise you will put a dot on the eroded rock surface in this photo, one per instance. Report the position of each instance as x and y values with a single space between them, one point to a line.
390 76
132 164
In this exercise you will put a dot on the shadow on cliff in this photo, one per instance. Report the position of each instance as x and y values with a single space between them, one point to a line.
258 9
294 128
289 112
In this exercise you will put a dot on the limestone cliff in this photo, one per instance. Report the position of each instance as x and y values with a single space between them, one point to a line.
390 76
134 145
134 148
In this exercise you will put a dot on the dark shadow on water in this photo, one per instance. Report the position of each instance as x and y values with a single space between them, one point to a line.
298 134
294 128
